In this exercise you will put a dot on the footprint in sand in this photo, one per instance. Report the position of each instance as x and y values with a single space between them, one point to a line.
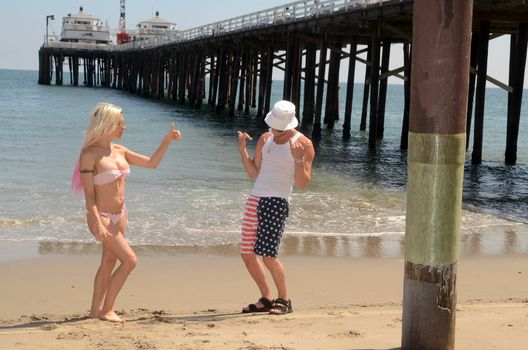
74 335
196 334
349 334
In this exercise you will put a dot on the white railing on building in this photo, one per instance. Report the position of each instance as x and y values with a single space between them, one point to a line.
89 27
291 12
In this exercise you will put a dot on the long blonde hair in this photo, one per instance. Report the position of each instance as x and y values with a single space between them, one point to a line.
104 119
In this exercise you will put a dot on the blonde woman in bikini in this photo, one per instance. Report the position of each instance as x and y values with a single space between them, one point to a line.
101 173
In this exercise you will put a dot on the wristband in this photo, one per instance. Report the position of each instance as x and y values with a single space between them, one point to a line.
299 160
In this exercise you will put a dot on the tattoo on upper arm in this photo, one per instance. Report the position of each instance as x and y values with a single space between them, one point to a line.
87 171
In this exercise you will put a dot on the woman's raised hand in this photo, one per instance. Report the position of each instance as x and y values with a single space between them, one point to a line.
174 133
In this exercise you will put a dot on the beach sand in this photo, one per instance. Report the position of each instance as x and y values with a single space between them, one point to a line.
193 301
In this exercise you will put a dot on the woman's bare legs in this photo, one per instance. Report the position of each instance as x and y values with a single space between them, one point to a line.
102 280
119 247
108 285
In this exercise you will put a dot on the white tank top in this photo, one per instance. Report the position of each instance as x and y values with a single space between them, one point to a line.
277 170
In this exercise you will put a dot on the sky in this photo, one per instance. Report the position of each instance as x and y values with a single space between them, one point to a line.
23 23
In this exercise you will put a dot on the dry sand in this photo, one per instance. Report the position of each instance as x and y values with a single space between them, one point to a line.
193 302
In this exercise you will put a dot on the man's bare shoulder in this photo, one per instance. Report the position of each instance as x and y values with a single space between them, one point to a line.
305 141
264 136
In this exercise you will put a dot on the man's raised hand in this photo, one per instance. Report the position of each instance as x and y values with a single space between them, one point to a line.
243 137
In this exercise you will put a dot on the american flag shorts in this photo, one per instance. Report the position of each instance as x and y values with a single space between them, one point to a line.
263 225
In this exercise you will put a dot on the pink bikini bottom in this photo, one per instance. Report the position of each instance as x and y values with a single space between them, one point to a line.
115 218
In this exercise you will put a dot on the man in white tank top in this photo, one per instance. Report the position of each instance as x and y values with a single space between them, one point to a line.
283 157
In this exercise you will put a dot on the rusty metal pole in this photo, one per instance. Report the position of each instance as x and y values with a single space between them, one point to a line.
437 141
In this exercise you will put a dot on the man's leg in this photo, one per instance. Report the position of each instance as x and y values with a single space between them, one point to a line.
247 244
272 213
278 273
257 272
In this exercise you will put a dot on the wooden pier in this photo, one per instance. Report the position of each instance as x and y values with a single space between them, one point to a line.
230 63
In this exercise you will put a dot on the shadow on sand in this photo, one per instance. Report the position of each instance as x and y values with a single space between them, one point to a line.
44 324
213 317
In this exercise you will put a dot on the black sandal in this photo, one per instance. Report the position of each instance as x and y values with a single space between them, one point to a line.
267 304
281 307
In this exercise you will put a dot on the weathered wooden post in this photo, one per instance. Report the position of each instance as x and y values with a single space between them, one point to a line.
288 66
243 72
254 79
404 140
350 88
249 82
97 70
332 92
145 69
201 88
437 139
478 134
41 67
173 76
316 132
183 77
212 73
235 74
385 57
70 69
296 73
269 76
133 73
108 71
90 74
163 74
216 78
222 81
471 92
155 73
114 70
309 86
518 65
197 97
366 90
262 83
374 89
59 61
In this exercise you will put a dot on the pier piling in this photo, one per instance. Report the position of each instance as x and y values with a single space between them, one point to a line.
476 155
350 88
517 70
440 77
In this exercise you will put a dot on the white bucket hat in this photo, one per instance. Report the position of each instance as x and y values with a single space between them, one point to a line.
282 116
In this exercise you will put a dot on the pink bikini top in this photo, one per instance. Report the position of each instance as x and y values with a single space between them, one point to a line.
111 175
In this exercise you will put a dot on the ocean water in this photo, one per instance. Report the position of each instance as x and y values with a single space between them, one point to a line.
193 202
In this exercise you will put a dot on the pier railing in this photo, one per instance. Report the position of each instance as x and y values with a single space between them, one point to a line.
291 12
